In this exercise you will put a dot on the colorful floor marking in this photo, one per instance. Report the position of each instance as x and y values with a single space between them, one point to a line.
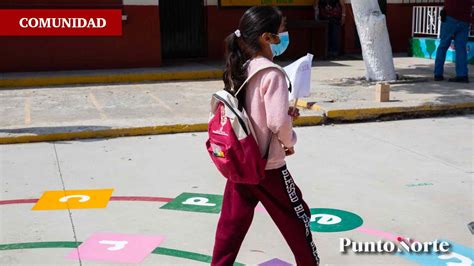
275 262
159 250
333 220
116 198
320 219
459 255
73 199
193 202
134 198
419 185
119 248
378 233
18 201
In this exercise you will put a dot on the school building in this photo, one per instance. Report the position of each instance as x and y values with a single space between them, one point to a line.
155 32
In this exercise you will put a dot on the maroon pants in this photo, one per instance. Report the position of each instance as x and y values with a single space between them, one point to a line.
282 199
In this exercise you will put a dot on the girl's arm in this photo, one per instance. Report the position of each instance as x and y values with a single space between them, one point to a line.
276 107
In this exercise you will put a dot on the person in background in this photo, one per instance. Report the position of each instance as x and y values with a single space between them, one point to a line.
333 11
455 17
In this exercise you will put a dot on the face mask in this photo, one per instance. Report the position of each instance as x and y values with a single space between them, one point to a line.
278 49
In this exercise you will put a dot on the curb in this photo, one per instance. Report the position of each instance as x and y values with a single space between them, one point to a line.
129 132
108 133
108 79
331 116
347 115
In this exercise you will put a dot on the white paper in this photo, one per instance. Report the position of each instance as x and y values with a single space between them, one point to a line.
299 73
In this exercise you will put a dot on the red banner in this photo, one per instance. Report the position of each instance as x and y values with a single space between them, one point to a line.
60 22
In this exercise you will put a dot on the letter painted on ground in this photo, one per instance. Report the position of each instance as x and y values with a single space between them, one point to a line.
117 248
74 199
83 198
333 220
115 245
193 202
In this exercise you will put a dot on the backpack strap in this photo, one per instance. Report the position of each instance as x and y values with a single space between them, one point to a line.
245 83
263 68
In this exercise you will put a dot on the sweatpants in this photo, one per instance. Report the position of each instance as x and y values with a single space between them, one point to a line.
283 201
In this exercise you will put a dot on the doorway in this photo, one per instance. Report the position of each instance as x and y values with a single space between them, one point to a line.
183 29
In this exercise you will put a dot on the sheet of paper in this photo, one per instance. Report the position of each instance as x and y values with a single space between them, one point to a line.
299 73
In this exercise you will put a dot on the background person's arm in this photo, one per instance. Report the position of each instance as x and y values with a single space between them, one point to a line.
316 9
343 7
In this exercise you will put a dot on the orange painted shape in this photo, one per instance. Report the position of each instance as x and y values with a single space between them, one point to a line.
74 199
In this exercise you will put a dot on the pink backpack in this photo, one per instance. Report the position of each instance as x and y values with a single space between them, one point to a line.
231 143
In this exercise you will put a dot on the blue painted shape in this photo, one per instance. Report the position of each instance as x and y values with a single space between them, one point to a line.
275 262
458 255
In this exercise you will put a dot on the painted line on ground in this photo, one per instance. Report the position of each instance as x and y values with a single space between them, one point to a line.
113 198
27 110
159 251
97 105
155 199
18 201
160 101
378 233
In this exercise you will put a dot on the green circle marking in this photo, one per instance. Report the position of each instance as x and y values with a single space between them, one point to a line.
333 220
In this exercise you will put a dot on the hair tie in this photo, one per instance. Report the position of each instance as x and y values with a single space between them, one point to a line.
237 33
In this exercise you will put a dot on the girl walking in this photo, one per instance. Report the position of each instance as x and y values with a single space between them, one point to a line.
251 48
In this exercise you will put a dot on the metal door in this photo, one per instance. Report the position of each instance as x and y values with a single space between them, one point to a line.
183 29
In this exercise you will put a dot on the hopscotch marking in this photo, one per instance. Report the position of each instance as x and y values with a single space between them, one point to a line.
193 202
73 199
119 248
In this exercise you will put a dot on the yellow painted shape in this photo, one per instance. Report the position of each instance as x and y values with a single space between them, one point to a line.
308 105
74 199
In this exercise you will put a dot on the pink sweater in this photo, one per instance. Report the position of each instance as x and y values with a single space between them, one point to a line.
267 105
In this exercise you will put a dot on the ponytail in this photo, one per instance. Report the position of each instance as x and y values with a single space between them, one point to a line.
243 44
235 72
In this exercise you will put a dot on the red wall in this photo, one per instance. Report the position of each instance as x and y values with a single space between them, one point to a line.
139 46
223 21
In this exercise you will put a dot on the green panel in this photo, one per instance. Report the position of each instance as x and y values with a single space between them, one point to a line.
431 47
416 48
194 202
333 220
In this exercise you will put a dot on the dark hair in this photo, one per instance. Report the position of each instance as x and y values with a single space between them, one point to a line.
255 21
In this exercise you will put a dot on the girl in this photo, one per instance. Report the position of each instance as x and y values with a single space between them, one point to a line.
252 47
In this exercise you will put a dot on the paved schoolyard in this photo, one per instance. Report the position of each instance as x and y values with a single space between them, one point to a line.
156 199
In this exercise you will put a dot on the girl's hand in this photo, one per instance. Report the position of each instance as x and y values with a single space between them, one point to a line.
294 112
289 151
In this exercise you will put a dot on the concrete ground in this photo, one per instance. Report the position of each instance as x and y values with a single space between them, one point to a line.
411 178
336 89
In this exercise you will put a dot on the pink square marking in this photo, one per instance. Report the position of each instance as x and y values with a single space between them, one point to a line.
120 248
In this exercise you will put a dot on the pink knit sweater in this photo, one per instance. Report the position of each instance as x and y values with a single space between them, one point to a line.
267 105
